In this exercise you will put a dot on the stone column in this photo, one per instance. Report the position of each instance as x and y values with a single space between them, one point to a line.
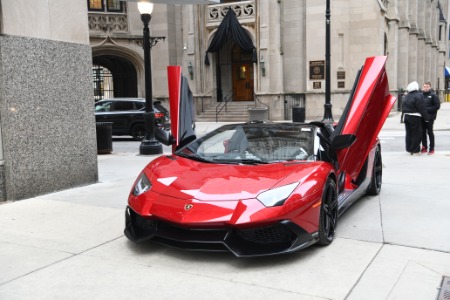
403 45
393 45
274 58
413 42
441 56
434 26
46 98
264 41
421 53
293 43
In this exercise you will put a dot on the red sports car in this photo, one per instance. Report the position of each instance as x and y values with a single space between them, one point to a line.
261 188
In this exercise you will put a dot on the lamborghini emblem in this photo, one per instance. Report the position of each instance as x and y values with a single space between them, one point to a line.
188 206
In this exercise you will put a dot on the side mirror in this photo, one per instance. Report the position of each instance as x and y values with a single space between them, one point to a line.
343 141
164 137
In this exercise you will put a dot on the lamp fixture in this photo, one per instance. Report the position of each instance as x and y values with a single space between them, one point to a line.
149 144
191 70
145 7
262 66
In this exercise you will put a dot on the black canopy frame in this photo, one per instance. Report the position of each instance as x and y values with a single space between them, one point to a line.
230 28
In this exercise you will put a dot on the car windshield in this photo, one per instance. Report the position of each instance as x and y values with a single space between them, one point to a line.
254 144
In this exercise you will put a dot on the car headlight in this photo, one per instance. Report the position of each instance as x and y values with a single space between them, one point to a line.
142 185
277 196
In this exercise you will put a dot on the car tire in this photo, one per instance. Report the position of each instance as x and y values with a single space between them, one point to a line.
138 132
377 174
328 213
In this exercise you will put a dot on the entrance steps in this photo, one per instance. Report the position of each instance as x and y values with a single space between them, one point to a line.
236 111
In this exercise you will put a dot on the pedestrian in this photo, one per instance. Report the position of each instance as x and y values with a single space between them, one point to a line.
413 107
432 105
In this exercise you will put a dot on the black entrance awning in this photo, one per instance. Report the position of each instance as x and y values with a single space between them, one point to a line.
230 28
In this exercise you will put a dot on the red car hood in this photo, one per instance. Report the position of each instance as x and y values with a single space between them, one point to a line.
187 179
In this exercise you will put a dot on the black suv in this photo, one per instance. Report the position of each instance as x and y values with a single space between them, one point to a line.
127 115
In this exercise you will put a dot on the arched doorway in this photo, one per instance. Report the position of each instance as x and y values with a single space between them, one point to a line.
234 72
235 58
242 74
114 76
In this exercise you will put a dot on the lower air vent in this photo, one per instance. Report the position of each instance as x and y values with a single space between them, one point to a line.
265 235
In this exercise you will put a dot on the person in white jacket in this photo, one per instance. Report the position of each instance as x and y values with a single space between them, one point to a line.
413 108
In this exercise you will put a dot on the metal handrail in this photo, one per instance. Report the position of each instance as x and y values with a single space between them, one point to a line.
204 95
259 100
228 97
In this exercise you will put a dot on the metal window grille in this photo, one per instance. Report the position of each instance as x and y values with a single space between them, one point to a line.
103 83
114 6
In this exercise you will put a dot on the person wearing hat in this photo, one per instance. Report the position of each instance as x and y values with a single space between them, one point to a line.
413 108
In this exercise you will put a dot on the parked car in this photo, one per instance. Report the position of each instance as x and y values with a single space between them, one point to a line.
259 188
127 115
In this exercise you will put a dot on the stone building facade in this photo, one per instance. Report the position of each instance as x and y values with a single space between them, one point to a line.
289 40
57 57
47 124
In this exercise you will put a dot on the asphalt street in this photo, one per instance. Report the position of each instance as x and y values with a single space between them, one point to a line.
70 244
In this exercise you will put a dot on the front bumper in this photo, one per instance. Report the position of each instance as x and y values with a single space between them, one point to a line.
278 238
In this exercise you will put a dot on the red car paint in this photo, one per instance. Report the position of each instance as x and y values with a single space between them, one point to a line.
189 199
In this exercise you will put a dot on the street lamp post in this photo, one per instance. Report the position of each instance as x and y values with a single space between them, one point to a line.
327 117
149 144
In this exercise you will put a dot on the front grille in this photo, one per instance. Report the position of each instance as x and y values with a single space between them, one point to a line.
278 238
138 228
145 225
203 239
195 246
277 233
184 234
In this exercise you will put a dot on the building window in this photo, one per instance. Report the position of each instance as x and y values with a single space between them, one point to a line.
95 5
106 5
114 5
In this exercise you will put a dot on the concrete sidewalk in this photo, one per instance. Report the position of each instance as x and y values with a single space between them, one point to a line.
70 244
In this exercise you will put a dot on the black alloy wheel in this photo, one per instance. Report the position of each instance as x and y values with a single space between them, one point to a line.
328 213
138 132
377 174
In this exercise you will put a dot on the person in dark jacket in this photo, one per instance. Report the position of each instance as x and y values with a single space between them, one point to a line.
413 108
432 105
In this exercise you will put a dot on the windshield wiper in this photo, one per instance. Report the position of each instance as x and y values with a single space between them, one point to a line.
193 156
240 161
